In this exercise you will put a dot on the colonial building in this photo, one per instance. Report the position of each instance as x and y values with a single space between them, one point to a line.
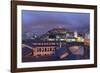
45 48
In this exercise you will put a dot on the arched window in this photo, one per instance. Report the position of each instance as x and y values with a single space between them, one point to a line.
51 49
39 49
45 49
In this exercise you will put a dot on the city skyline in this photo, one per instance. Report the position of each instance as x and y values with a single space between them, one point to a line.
52 36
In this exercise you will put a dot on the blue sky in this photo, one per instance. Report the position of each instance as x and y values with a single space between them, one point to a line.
39 22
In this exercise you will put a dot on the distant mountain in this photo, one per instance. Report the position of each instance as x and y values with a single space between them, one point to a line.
55 32
58 30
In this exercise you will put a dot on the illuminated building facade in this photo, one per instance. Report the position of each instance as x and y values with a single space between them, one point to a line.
43 51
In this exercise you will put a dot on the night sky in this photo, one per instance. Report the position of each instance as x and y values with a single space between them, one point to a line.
39 22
